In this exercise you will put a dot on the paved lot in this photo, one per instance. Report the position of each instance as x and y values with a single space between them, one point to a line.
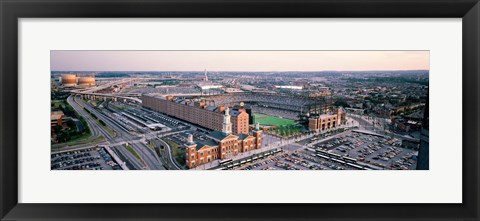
377 150
346 151
85 159
335 150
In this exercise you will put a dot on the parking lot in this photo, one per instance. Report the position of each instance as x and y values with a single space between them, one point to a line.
181 138
346 151
376 150
294 161
95 158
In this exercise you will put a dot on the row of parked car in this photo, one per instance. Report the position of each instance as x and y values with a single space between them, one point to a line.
265 162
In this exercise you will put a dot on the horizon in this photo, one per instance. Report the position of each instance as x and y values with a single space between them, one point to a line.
239 61
201 71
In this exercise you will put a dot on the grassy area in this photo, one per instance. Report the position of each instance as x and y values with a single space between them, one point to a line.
101 122
57 104
287 130
269 120
69 136
178 153
80 140
151 145
131 150
108 129
98 139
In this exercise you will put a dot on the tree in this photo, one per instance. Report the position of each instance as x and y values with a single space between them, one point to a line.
341 103
71 124
57 129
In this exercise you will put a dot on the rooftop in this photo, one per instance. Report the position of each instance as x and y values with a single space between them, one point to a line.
327 115
55 115
210 143
242 136
217 135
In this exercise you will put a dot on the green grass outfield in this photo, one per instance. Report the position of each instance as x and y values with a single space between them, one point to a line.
269 120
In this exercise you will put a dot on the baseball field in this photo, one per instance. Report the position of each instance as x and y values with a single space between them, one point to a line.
269 120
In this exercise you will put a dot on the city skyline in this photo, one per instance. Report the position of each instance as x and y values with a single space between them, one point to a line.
251 61
239 110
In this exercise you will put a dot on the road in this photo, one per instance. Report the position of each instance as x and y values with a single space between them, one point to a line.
92 91
149 160
378 128
147 155
96 133
171 161
130 158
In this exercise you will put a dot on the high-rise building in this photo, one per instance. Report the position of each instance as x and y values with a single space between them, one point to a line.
423 152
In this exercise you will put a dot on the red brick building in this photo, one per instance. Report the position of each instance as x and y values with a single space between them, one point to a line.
327 121
197 112
223 145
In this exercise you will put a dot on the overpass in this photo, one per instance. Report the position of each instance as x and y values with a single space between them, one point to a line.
93 95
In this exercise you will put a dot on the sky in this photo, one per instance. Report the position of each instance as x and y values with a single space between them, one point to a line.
238 60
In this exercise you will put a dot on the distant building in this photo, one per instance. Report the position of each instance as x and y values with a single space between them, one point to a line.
205 78
289 87
209 86
404 125
56 118
320 92
303 83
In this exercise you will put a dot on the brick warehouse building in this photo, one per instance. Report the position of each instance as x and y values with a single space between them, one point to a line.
231 128
198 112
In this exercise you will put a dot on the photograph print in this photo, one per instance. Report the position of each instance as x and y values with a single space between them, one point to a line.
239 110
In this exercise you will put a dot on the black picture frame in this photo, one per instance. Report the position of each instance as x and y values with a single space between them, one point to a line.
12 10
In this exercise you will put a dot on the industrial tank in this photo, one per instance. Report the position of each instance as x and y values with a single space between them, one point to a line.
68 79
86 81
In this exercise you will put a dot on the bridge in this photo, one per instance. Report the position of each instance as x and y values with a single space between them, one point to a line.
93 96
91 93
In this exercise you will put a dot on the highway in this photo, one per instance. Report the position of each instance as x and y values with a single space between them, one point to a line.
96 133
149 160
148 156
92 91
130 158
92 123
136 138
